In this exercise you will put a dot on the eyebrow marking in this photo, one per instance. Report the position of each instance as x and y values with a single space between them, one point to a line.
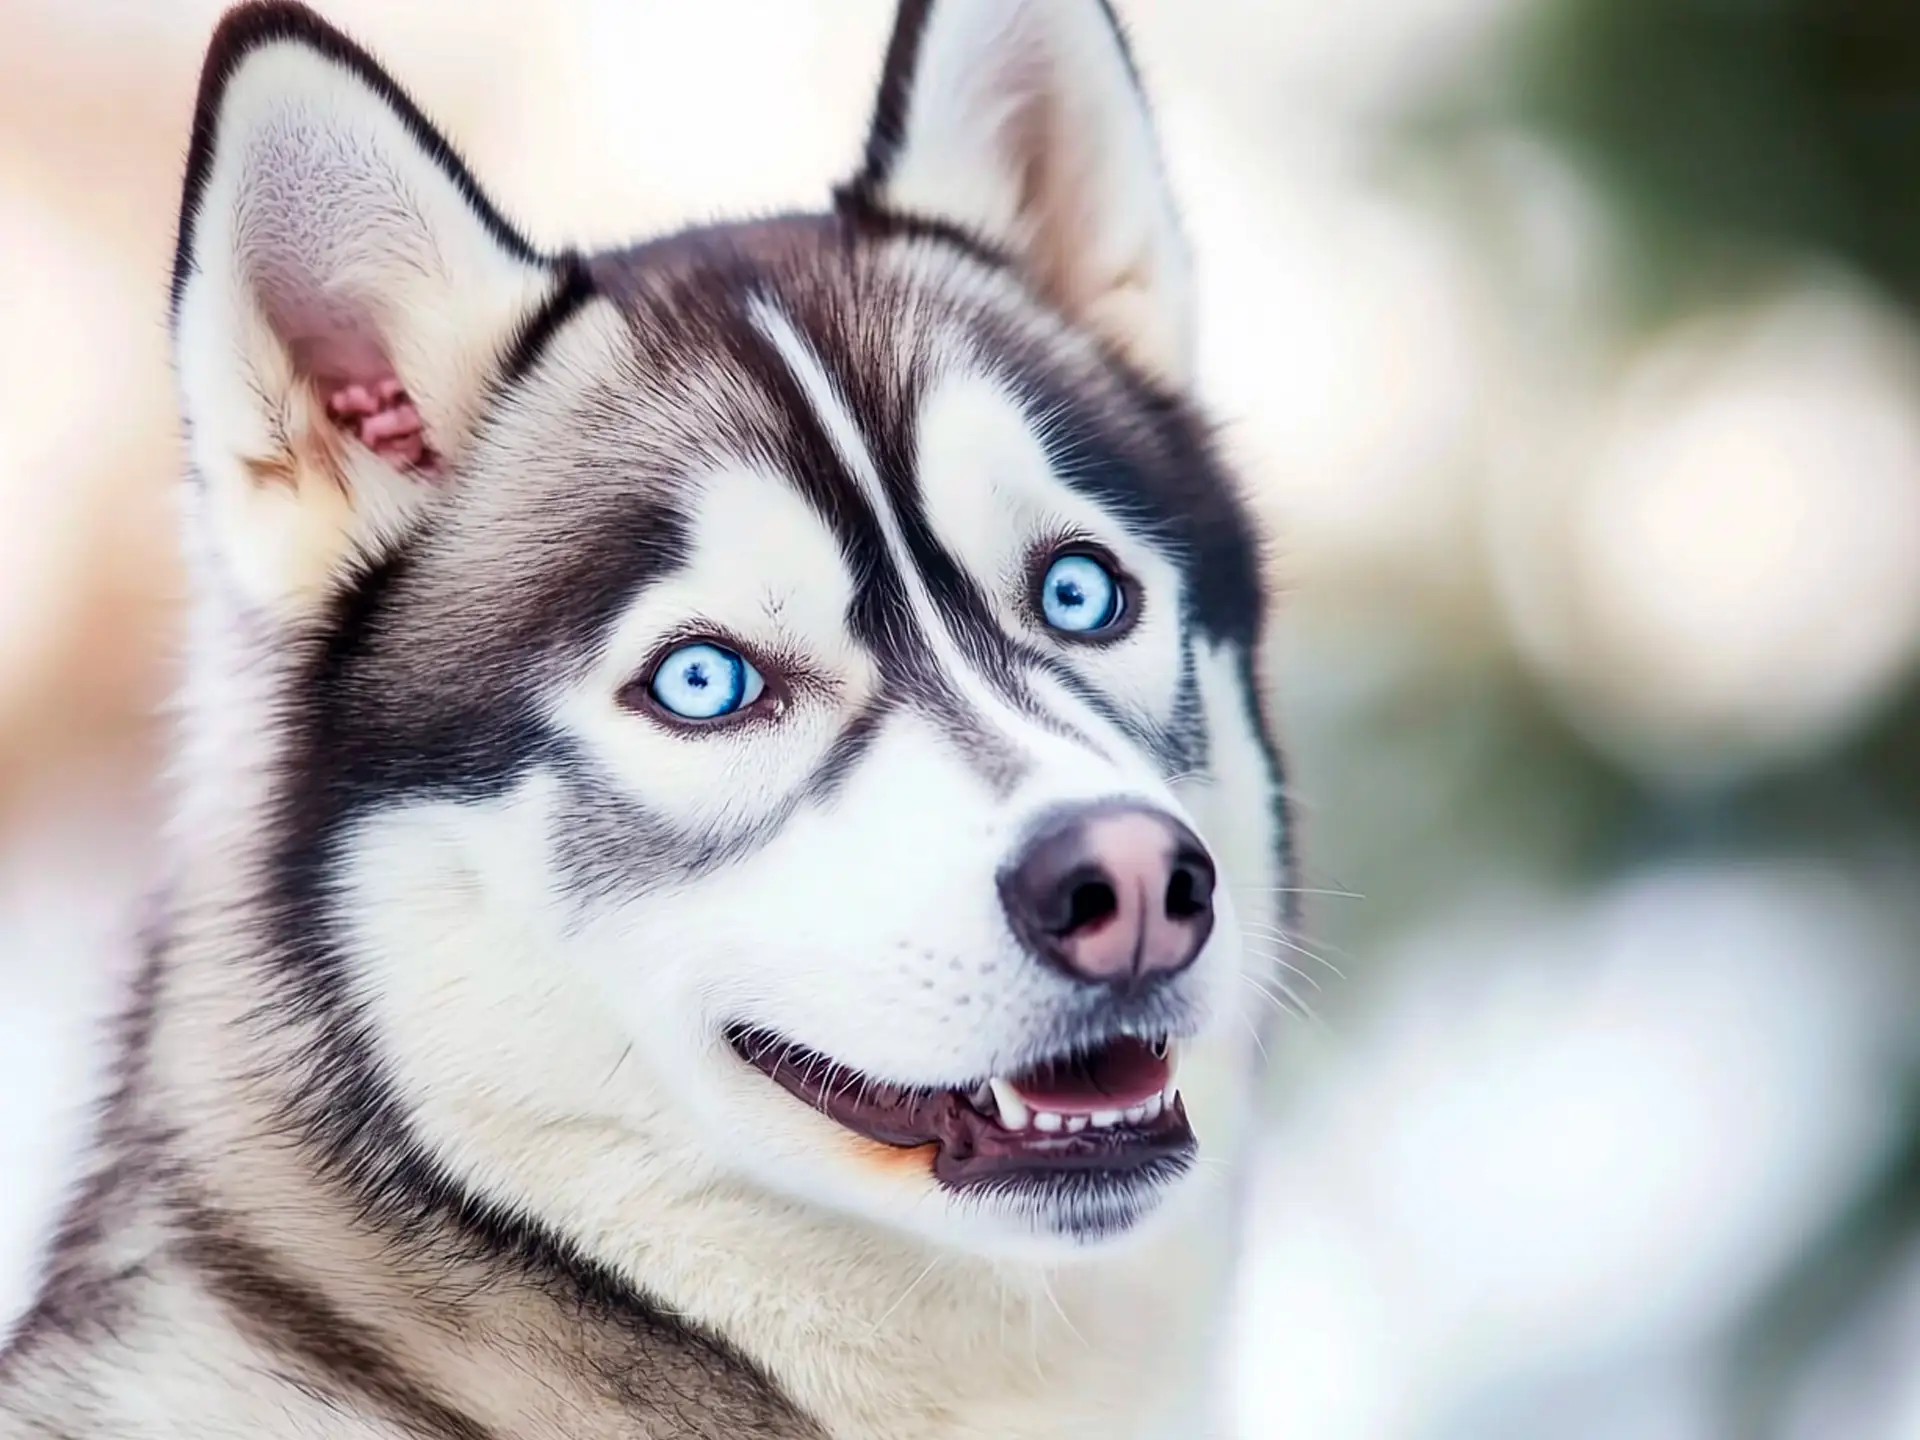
843 433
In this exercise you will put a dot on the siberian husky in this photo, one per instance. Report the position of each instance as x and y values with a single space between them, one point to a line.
722 795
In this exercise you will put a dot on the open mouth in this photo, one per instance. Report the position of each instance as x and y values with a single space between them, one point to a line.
1114 1108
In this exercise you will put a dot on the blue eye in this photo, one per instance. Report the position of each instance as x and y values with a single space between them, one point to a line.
704 682
1080 595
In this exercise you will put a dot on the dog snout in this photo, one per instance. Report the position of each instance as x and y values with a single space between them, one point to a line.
1112 894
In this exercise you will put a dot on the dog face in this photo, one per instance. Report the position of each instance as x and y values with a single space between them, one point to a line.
810 660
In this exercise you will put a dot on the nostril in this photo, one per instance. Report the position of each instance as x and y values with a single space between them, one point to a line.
1189 890
1111 893
1090 902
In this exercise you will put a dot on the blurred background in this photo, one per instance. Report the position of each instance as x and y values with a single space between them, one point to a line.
1571 347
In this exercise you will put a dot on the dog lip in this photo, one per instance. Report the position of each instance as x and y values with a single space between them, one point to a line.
1118 1098
982 1151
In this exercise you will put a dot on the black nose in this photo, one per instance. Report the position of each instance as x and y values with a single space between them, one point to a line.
1113 894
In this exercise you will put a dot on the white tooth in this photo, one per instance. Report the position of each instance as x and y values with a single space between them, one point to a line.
1013 1110
1151 1110
1076 1123
1136 1115
1047 1120
982 1099
1105 1119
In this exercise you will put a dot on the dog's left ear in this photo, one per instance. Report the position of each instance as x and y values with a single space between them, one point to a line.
1021 123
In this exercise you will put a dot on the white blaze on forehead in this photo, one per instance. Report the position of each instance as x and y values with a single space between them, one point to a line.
764 573
992 494
831 410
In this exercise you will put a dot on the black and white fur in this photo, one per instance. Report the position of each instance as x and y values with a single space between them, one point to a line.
426 1123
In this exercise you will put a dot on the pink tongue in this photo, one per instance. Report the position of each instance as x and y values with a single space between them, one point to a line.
1124 1074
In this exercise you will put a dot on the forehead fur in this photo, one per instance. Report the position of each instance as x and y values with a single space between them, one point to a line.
659 372
576 494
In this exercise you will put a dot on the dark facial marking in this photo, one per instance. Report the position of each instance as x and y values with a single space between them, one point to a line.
284 1316
574 290
884 618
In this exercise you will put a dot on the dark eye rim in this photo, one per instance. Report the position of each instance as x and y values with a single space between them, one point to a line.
1045 557
775 692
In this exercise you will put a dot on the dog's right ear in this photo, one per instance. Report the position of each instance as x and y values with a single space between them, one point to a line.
344 300
1022 125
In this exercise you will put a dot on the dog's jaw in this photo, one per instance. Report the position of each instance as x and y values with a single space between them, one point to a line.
546 1104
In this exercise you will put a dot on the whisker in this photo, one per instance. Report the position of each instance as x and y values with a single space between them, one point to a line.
1287 1001
1033 1338
1284 999
1281 963
1269 934
1292 969
1333 891
1046 1288
905 1293
1254 1030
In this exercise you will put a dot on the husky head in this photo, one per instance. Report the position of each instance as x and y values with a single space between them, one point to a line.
774 705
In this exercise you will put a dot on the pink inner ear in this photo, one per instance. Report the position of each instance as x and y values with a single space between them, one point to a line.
384 419
361 390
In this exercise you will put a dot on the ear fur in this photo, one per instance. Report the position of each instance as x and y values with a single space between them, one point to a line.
1021 125
344 299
